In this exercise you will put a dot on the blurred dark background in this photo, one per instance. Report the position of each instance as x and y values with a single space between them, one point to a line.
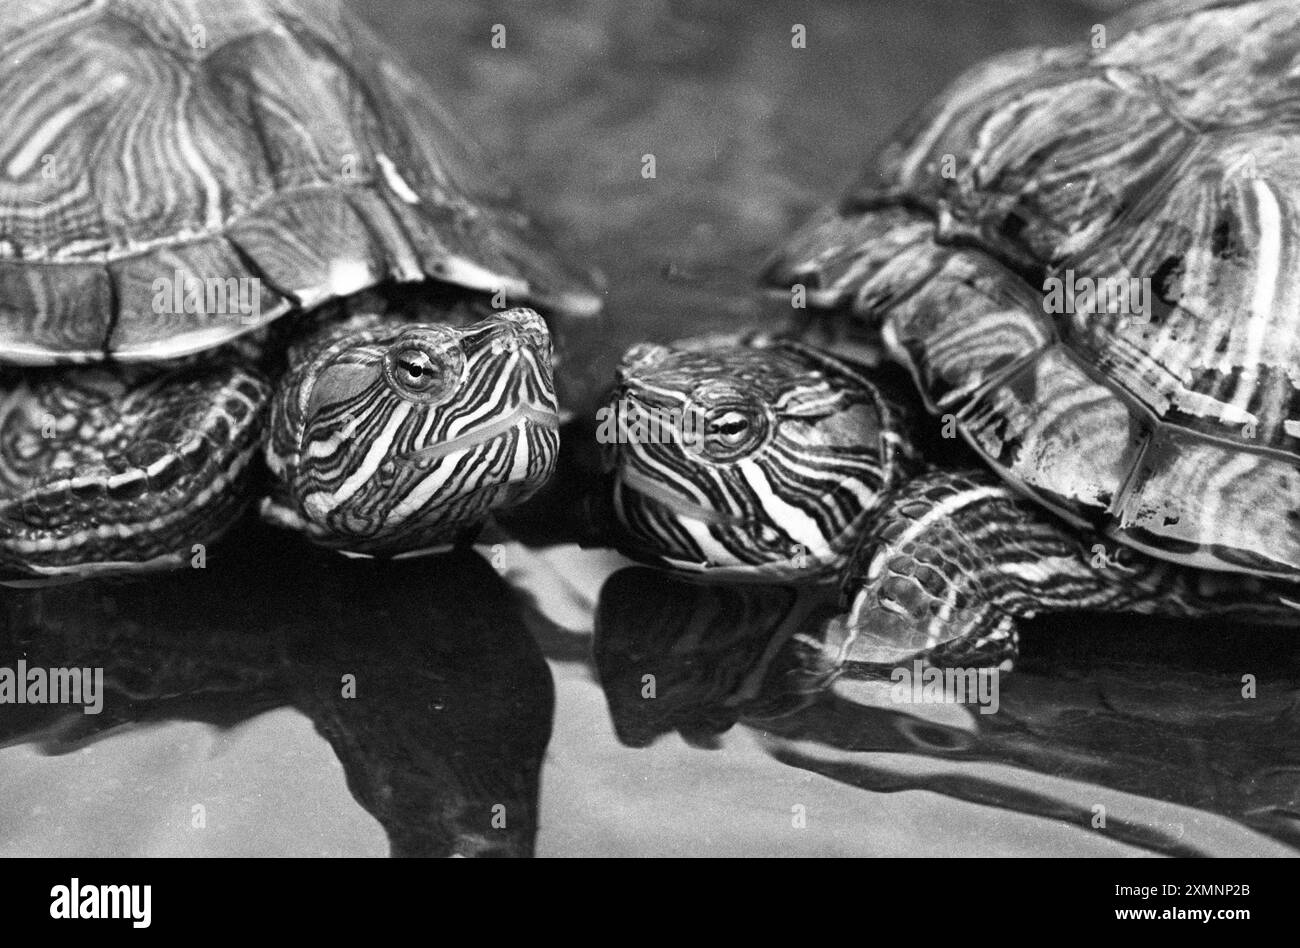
749 133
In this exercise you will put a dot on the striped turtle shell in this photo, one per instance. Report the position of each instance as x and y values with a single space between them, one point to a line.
1089 259
261 139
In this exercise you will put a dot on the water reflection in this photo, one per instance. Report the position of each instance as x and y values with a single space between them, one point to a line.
1125 719
419 673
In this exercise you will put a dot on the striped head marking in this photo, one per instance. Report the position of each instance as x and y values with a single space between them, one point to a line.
397 438
747 460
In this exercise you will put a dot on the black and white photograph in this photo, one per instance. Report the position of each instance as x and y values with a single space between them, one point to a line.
676 428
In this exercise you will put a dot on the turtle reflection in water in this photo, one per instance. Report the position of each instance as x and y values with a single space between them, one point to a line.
444 738
1132 718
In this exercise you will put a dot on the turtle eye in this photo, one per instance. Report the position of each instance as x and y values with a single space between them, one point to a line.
730 429
731 432
423 373
416 370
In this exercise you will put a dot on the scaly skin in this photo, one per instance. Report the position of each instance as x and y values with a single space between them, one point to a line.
115 469
956 559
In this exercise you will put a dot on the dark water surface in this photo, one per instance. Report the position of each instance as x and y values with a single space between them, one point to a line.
283 702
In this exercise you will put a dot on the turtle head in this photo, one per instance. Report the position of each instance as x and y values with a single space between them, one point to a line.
389 438
755 460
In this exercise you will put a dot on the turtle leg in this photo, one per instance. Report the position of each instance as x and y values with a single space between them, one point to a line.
957 559
123 469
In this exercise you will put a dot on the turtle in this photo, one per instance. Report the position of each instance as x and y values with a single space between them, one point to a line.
1092 455
246 253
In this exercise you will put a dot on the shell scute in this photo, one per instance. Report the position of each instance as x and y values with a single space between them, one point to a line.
260 140
1157 177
